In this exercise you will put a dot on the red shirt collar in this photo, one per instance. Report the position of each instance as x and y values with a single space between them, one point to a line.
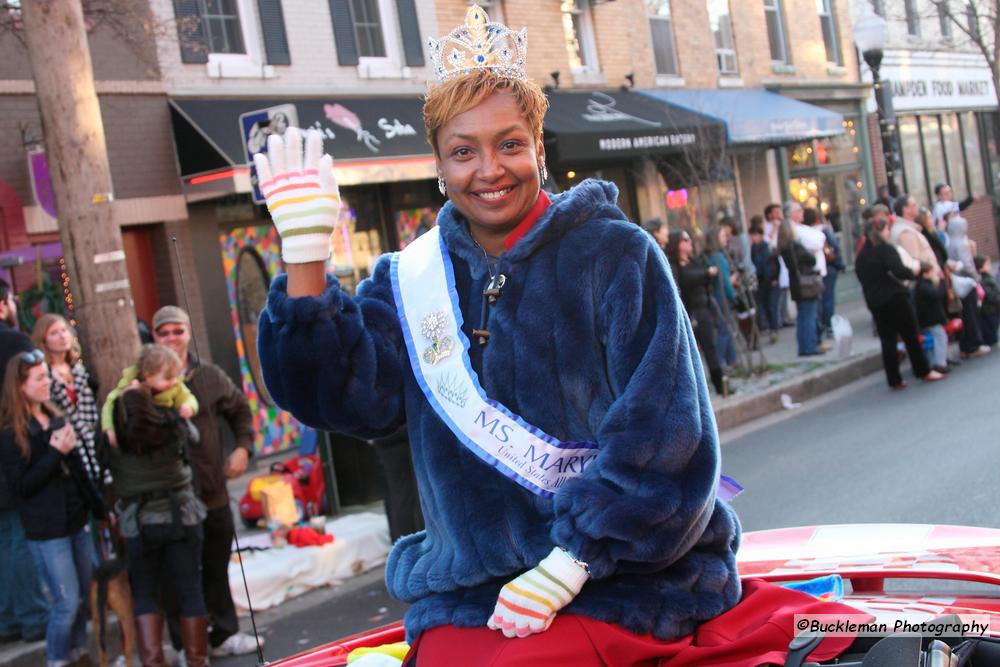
529 221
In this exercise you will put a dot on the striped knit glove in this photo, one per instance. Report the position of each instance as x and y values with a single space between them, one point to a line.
528 604
302 195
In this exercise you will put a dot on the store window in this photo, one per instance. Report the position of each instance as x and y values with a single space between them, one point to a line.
974 154
662 28
695 209
913 158
942 149
831 37
368 28
955 154
357 242
912 17
934 158
620 176
721 24
972 17
839 149
774 15
578 32
944 19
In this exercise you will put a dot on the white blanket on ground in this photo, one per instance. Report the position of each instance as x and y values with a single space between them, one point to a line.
361 542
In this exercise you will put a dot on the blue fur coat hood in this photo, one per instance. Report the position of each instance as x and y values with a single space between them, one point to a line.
589 343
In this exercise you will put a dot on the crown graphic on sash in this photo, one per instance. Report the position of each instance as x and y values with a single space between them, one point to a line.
479 45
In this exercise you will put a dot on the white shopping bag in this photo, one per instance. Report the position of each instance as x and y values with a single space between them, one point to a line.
843 335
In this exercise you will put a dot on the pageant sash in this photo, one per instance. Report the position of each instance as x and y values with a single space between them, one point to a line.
423 284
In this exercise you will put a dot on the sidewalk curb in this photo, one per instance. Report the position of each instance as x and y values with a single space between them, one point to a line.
800 388
25 655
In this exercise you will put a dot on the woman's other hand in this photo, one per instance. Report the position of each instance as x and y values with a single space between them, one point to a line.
63 439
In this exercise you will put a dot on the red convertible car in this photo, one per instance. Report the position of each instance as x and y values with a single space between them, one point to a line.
935 571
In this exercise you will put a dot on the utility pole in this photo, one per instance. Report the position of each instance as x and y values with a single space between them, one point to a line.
81 179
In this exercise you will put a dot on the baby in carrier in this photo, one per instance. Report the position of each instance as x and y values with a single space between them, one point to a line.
158 374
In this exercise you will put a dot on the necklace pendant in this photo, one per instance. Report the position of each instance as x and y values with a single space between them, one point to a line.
495 288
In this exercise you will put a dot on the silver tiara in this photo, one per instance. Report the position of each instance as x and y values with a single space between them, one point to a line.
479 45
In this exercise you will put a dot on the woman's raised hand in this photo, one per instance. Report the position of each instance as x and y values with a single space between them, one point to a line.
301 193
63 439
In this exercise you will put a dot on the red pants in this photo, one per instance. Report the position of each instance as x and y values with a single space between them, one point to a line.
755 631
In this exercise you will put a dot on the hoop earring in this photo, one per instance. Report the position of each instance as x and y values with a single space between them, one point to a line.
543 174
442 187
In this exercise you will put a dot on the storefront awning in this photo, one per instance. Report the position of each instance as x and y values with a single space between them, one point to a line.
372 140
756 116
599 126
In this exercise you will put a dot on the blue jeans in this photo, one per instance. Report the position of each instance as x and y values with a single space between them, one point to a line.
23 608
829 300
65 564
805 326
725 346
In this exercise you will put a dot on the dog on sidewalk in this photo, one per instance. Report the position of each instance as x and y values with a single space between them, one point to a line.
110 590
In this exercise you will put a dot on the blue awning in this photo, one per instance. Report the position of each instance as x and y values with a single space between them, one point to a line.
756 116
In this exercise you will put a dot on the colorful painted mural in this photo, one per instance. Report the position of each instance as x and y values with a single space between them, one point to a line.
251 256
413 222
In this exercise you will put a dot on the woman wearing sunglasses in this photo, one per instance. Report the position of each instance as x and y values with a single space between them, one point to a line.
42 466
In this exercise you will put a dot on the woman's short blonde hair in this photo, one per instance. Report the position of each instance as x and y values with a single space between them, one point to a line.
456 96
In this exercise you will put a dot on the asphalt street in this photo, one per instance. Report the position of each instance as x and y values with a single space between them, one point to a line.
927 454
863 453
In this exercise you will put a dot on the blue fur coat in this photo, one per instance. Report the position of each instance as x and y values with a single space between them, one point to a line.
589 343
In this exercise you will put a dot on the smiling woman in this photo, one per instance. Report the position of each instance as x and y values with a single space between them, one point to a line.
520 341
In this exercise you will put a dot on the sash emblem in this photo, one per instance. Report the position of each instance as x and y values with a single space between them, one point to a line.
433 328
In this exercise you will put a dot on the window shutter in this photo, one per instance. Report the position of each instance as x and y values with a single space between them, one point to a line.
190 32
413 48
343 32
272 27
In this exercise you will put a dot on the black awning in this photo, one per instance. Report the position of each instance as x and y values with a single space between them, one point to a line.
215 133
609 125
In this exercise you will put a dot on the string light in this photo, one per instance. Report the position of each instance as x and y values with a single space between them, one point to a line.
67 293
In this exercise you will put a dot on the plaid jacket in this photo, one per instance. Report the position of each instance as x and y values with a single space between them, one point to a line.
84 416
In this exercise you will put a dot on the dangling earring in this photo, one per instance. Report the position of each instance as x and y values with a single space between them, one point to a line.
543 173
441 186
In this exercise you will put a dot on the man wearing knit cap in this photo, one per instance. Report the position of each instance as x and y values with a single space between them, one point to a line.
219 400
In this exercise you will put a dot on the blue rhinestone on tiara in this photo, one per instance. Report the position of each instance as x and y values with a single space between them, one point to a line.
479 45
